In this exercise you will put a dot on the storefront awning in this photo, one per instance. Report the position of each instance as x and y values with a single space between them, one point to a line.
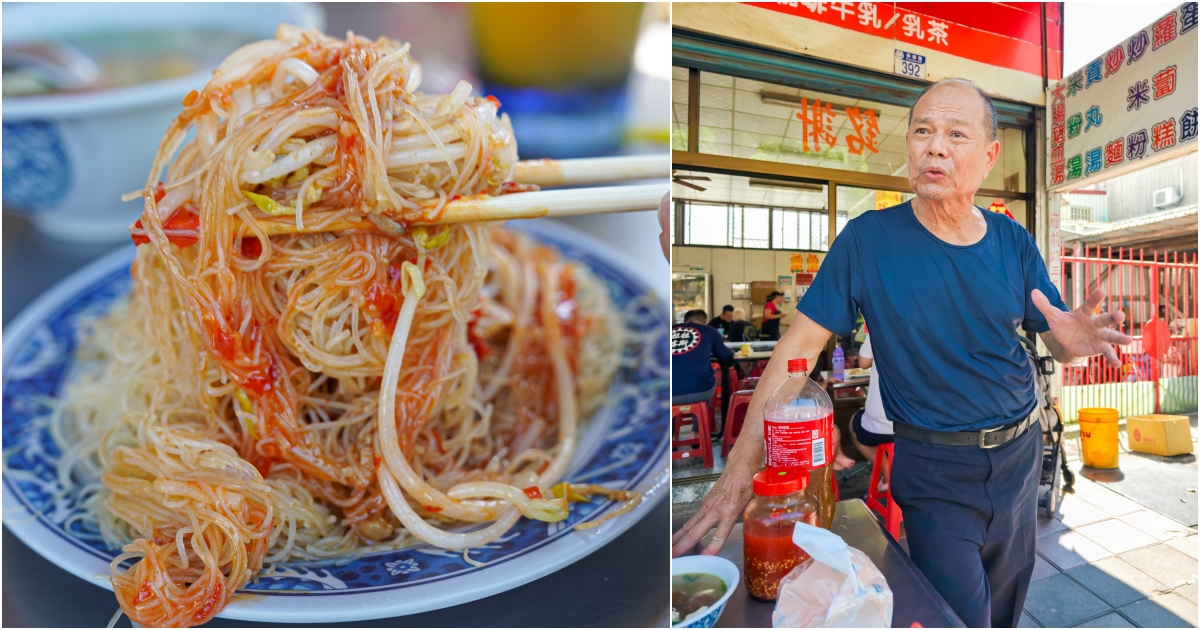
1168 230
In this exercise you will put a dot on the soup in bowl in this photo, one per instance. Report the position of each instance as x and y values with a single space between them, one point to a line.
700 587
89 89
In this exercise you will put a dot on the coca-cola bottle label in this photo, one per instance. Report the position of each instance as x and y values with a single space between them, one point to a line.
806 444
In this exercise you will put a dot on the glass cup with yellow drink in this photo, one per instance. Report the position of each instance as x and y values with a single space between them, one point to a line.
560 71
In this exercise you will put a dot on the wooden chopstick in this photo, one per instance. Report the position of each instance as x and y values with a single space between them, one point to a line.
589 171
551 203
530 205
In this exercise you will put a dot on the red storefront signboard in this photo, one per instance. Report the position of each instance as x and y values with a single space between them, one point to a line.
1005 35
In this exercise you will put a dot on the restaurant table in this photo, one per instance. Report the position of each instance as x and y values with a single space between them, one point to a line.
746 363
913 598
754 345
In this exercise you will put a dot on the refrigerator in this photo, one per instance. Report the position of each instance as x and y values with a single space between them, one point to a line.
690 289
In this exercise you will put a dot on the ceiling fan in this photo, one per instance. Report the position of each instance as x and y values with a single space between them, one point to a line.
679 179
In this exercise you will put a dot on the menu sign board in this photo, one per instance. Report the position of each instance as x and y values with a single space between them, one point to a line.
1128 108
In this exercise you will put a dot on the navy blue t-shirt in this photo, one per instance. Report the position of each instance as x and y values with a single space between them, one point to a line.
943 317
693 347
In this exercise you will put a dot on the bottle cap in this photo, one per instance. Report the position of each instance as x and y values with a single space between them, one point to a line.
798 365
774 482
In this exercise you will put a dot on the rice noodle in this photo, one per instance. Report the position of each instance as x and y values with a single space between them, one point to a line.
300 397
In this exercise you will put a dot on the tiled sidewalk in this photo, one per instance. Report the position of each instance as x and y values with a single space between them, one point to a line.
1113 563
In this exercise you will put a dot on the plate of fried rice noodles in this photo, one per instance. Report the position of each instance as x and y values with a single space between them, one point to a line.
297 398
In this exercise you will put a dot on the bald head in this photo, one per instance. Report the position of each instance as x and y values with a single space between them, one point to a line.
951 141
988 115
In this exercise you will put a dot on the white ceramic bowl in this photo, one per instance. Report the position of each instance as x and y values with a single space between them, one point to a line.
68 158
712 565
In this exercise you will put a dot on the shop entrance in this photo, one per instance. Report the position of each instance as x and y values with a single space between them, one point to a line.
768 168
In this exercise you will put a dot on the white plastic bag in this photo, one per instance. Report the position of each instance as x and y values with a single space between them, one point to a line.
838 587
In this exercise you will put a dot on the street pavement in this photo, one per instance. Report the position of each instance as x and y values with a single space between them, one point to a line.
1109 561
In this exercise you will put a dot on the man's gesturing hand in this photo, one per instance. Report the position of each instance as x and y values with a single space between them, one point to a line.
721 508
1082 333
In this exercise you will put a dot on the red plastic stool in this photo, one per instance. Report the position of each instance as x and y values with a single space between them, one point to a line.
891 514
698 412
739 403
759 368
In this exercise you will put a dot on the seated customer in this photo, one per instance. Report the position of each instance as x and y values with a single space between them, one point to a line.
870 427
722 322
693 348
738 327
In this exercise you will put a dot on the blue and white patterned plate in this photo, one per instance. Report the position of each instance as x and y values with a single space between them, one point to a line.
624 445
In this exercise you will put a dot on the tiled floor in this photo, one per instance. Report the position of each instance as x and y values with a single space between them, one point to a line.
1110 562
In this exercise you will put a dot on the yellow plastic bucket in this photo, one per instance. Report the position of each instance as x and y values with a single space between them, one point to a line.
1098 431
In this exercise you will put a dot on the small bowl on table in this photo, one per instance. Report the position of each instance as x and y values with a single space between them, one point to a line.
70 156
727 571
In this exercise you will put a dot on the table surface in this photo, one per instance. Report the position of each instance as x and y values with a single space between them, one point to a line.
754 356
913 597
626 584
754 345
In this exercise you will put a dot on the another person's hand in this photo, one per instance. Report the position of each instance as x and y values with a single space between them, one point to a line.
664 224
720 509
1082 333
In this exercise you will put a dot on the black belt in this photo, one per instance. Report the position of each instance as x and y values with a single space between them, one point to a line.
986 438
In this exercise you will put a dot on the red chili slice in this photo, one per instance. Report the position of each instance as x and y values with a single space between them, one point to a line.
182 228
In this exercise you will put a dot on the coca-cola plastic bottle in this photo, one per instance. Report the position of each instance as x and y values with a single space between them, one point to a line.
798 428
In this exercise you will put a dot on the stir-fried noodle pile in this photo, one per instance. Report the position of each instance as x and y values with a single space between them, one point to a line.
300 373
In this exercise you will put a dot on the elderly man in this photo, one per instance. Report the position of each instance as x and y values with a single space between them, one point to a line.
968 451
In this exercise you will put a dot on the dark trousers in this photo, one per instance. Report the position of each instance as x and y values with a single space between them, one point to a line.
970 515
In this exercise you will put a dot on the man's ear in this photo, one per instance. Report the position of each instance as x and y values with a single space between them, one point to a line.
993 153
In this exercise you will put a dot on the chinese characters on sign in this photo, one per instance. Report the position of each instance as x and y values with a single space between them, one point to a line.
866 129
1164 134
1114 152
816 128
816 124
1164 83
913 25
1058 110
1137 144
1140 101
1139 94
1187 125
1113 61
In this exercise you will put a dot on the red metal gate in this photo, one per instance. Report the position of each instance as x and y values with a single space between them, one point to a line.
1161 288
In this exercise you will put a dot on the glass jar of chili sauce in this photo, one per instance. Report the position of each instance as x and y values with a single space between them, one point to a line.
780 501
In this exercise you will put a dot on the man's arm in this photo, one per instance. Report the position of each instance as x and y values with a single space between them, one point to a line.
722 352
732 491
